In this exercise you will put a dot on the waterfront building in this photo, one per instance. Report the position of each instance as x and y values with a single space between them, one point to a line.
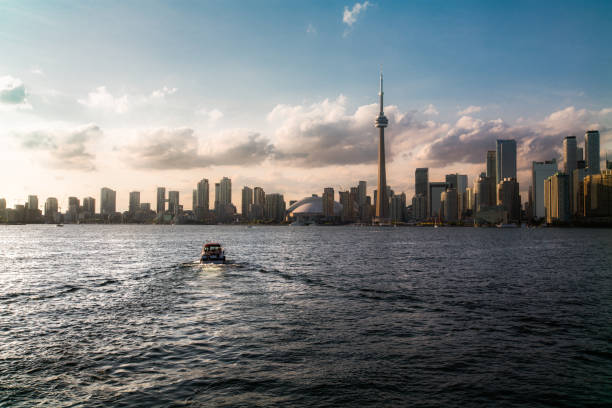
361 201
421 182
579 153
275 207
33 202
540 171
398 207
608 163
202 201
194 200
569 154
74 205
598 194
134 203
259 196
419 207
382 200
108 201
2 203
505 160
89 205
591 151
225 191
328 202
173 202
508 196
247 200
145 207
469 199
347 205
161 200
434 198
556 198
51 207
450 201
309 210
482 193
577 199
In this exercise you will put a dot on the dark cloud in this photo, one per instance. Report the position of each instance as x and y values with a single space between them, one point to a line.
63 149
163 149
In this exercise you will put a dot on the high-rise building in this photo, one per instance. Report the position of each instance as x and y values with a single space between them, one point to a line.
259 196
203 195
579 153
434 198
591 151
569 154
134 204
328 202
482 193
505 160
89 205
508 196
450 200
457 181
577 181
492 164
161 200
541 171
225 191
598 194
398 207
247 200
194 200
608 163
421 181
51 207
347 205
33 202
2 203
419 207
361 200
108 201
173 202
275 207
556 198
382 201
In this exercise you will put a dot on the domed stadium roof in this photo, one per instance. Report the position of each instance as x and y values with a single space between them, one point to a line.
312 206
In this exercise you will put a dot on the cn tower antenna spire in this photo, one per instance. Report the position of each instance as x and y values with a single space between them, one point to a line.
381 93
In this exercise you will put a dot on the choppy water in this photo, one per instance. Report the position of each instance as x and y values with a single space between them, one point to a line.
307 316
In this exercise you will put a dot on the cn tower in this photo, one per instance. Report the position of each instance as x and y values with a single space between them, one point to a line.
382 202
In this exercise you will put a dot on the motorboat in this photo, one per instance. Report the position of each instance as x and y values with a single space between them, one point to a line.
212 253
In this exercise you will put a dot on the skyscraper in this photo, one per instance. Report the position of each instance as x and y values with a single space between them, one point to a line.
569 154
421 180
89 205
173 202
591 151
556 198
247 200
579 153
203 195
51 207
361 200
134 204
450 200
505 160
491 164
382 202
540 171
509 198
33 202
328 202
225 191
275 207
161 200
108 201
434 198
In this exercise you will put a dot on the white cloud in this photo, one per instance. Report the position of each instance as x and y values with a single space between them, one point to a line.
37 71
349 17
469 110
100 98
311 29
212 115
13 93
431 110
163 92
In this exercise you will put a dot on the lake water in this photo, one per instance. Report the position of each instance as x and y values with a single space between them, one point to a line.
305 316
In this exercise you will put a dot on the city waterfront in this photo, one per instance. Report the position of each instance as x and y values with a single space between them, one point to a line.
121 315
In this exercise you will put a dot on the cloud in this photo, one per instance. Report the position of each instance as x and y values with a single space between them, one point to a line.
349 17
65 148
311 29
431 110
212 115
100 98
13 92
180 148
37 71
163 92
469 110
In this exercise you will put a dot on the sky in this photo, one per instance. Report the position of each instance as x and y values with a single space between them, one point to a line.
132 95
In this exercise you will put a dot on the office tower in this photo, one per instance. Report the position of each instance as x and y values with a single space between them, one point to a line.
161 200
225 192
328 202
145 207
541 171
217 197
203 195
73 205
509 198
382 201
33 202
2 203
361 200
598 194
247 200
419 207
608 163
134 201
469 199
108 201
51 207
89 205
491 164
259 196
529 204
398 207
421 181
569 154
173 202
482 193
591 151
450 200
577 181
505 160
275 207
457 181
434 198
347 206
579 153
194 200
556 198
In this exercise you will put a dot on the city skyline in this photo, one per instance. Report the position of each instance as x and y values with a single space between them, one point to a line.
183 119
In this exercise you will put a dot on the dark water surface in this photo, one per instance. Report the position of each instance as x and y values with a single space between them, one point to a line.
305 316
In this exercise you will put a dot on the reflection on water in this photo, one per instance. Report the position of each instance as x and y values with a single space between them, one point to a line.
125 315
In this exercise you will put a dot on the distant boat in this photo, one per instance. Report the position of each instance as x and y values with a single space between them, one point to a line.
507 226
59 225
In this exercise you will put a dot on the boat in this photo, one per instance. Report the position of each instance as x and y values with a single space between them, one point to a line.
507 226
212 253
60 225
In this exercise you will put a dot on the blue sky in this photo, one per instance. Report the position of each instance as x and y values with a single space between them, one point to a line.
221 69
